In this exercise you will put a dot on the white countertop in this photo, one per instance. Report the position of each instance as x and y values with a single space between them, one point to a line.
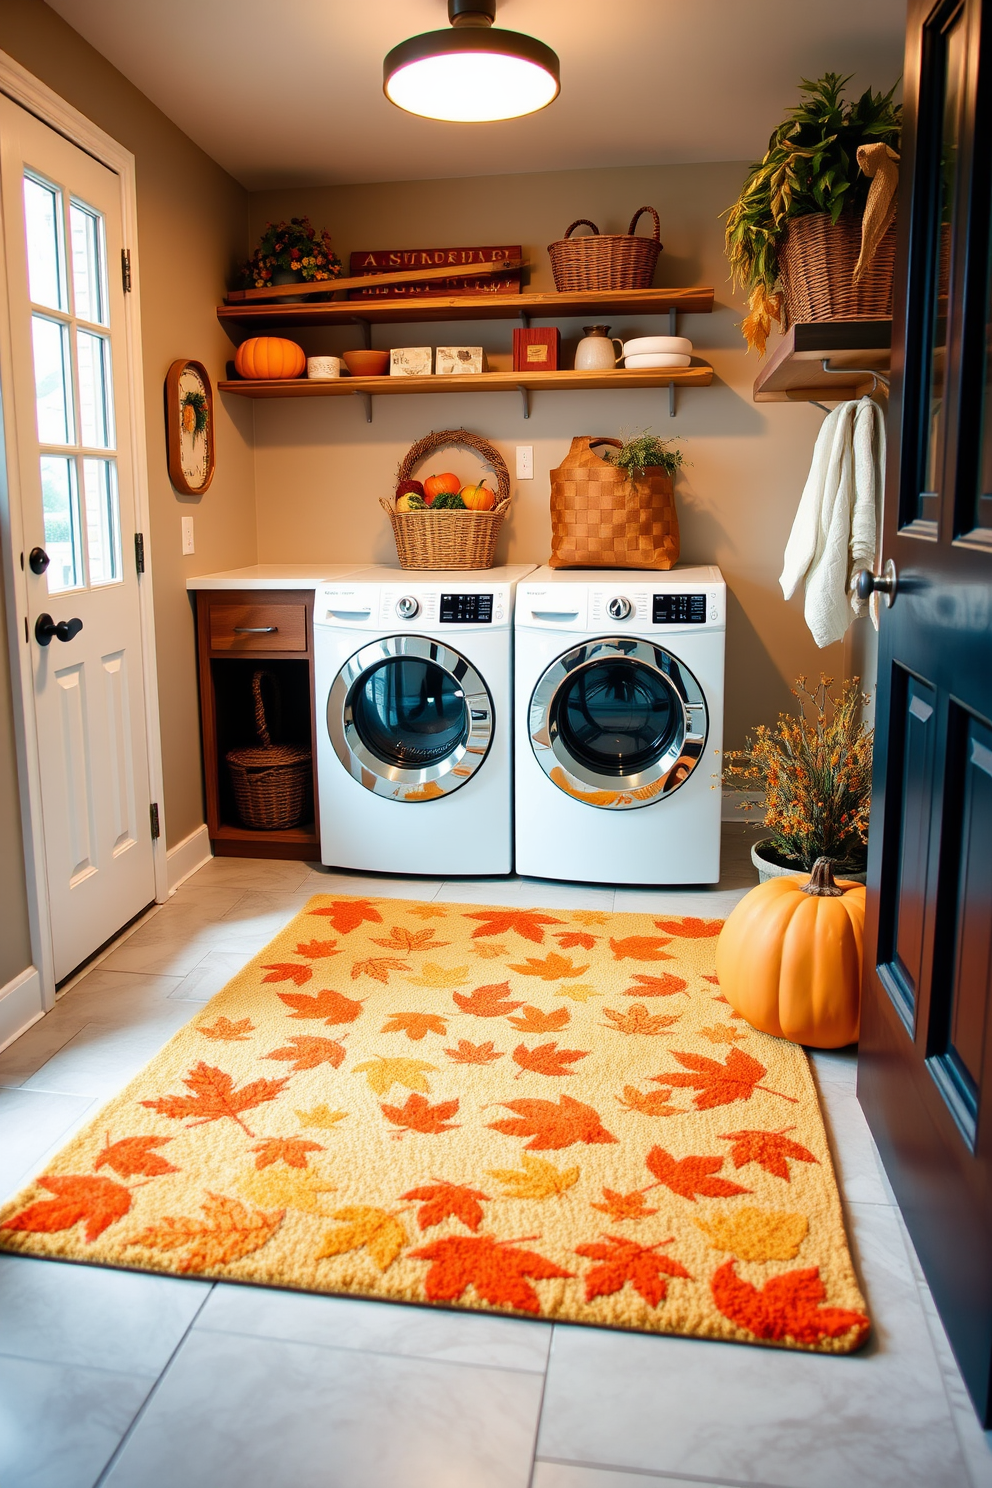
276 576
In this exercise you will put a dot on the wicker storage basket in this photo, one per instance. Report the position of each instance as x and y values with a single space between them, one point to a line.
449 539
601 518
816 260
273 784
608 260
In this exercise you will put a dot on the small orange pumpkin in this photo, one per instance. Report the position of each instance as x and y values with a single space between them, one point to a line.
789 957
478 498
265 357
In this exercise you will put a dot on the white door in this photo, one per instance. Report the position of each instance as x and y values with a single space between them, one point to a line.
70 446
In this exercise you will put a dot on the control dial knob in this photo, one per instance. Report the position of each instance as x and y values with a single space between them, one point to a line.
619 607
407 607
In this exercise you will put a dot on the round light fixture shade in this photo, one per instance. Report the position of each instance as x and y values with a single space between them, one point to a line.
471 75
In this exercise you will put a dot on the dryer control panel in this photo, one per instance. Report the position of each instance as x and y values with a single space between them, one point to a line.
410 604
623 600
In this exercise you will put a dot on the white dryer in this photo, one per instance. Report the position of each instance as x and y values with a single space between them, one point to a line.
619 701
414 690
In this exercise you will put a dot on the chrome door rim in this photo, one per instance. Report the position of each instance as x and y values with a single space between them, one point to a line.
625 792
426 782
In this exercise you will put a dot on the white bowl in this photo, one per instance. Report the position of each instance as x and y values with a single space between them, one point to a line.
668 345
657 359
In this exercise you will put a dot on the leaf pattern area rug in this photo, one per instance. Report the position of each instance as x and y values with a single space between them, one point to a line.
551 1114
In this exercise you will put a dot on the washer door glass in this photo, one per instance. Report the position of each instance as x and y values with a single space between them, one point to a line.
617 723
410 718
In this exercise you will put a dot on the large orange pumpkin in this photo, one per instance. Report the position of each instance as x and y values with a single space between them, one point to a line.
269 357
789 957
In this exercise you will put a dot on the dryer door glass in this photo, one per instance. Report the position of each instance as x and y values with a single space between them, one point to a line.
617 723
410 718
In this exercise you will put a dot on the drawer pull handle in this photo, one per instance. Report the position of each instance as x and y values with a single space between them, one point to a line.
255 629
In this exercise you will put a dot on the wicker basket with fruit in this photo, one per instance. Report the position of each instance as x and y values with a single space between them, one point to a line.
441 523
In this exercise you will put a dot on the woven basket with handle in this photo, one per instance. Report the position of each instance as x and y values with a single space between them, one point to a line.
273 783
449 539
607 260
816 260
603 518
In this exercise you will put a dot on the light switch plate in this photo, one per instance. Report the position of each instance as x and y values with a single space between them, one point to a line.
188 535
525 462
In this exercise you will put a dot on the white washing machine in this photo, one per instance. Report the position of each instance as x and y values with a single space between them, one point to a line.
414 690
619 701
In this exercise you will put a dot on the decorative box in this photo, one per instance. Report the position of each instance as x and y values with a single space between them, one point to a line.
536 349
410 361
449 361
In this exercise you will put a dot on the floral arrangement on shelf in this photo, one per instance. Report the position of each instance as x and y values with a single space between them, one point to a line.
644 450
811 165
294 246
814 771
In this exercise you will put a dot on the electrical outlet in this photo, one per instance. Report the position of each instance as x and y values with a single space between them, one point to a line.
188 535
525 462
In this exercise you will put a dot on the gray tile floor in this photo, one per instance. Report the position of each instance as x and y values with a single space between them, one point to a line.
110 1377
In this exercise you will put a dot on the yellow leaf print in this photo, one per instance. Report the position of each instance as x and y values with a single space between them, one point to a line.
321 1116
589 917
757 1234
432 975
487 951
402 939
536 1179
285 1188
383 1074
550 967
579 992
375 1229
427 911
722 1033
377 967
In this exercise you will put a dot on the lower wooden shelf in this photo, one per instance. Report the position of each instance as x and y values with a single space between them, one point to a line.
290 842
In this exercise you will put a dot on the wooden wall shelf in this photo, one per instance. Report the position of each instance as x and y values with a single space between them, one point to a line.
794 374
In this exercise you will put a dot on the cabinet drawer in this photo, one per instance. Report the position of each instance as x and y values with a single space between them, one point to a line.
258 627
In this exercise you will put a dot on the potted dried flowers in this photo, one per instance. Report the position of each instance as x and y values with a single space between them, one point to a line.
814 772
291 252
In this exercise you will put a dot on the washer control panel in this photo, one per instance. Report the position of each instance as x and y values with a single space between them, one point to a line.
623 602
466 609
405 606
679 609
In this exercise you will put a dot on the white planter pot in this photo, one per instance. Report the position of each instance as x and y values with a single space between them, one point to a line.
768 868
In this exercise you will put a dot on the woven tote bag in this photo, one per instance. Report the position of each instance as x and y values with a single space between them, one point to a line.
603 518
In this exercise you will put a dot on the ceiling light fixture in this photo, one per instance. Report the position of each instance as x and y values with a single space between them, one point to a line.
473 73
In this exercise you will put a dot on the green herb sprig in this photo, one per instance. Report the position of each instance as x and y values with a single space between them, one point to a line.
644 450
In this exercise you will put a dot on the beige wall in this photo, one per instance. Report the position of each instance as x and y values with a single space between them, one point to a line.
191 227
319 469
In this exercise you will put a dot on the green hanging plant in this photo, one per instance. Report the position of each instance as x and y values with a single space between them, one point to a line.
645 450
811 165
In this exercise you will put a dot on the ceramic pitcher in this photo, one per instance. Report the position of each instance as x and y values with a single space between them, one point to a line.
595 352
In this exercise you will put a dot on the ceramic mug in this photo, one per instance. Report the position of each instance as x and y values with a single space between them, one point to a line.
322 367
595 352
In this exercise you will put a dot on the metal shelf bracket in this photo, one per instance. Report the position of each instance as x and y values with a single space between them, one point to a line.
366 326
525 400
367 404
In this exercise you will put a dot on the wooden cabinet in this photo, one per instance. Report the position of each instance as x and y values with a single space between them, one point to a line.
238 632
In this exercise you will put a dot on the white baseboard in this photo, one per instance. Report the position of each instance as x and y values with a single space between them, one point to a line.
20 1005
187 856
734 800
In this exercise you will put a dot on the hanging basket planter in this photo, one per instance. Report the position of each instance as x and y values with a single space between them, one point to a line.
816 261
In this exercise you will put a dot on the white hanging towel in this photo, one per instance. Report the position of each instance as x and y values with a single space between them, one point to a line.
835 530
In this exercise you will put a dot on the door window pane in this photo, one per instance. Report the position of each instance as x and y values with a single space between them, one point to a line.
96 419
103 521
43 230
983 502
89 263
52 380
60 505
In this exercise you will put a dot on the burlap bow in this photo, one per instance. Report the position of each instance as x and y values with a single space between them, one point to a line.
881 163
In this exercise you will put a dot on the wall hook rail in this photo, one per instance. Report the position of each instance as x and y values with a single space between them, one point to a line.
878 379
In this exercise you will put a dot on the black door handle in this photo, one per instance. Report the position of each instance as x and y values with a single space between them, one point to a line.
38 560
886 583
45 627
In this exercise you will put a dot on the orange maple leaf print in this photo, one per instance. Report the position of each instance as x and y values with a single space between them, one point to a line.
304 1051
651 1103
332 1007
722 1033
132 1156
226 1031
416 1025
547 1059
228 1231
317 950
441 1201
550 968
769 1149
287 971
401 939
527 923
552 1125
377 967
637 1019
214 1097
620 1206
690 928
581 938
498 1271
787 1306
290 1150
624 1260
532 1020
665 985
417 1114
719 1084
469 1053
93 1202
346 915
641 948
491 1001
689 1176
